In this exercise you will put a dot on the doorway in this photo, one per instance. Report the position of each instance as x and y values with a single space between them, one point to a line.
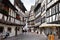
1 29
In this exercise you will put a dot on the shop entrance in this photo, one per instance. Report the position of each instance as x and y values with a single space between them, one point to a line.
1 29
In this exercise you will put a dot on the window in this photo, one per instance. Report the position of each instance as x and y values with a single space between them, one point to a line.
11 12
57 8
38 20
9 29
50 19
48 13
53 10
40 9
43 19
14 14
5 18
59 16
8 18
53 17
48 1
56 17
17 21
13 20
43 8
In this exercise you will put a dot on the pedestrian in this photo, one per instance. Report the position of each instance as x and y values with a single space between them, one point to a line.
1 36
37 32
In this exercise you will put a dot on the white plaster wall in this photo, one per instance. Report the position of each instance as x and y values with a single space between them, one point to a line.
20 30
12 29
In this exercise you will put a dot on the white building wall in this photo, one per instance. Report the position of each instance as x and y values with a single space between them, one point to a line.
12 29
20 30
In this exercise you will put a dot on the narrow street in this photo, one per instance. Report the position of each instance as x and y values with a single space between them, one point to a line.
29 19
28 36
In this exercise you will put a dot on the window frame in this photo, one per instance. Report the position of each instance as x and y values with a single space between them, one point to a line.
48 2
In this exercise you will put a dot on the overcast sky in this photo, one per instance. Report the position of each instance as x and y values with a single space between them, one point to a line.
28 3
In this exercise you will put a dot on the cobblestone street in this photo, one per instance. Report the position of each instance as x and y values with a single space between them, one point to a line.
28 36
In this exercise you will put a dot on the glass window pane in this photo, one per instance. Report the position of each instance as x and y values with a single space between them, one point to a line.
54 18
50 19
53 10
56 8
12 20
48 1
59 16
59 6
48 13
47 20
5 18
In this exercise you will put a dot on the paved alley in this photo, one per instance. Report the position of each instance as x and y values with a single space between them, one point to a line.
28 36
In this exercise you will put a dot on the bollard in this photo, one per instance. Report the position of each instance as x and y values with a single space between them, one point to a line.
51 37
